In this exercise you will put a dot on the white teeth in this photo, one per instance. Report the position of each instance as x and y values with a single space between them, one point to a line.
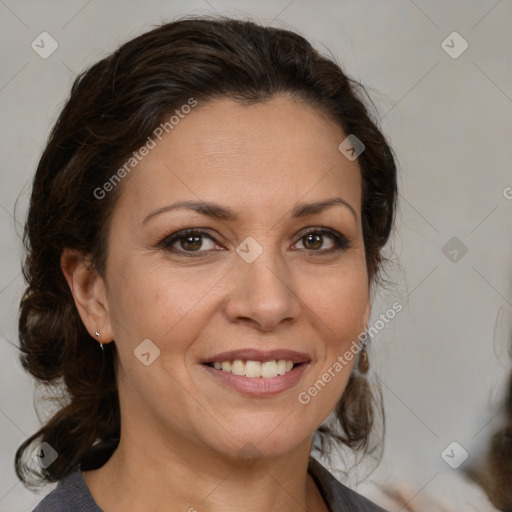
253 369
238 367
265 369
269 369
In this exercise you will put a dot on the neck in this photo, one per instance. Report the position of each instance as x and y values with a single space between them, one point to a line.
140 476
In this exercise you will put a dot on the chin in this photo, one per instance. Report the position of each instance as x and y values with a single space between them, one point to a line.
252 442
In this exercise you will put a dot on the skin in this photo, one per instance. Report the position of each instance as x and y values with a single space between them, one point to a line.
182 431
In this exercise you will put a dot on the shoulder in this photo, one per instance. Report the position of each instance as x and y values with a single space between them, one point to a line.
71 493
338 496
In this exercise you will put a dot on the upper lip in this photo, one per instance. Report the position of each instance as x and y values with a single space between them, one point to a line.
259 355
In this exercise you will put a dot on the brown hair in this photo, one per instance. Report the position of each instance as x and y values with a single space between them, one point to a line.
113 107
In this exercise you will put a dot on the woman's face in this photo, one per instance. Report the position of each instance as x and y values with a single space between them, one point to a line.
252 285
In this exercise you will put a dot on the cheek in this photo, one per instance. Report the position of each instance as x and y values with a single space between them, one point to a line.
338 312
338 299
158 302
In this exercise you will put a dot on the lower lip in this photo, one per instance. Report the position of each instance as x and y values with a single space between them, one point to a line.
259 386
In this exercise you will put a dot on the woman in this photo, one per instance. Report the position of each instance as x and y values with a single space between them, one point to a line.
205 228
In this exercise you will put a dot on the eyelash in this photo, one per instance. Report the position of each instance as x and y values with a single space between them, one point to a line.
340 242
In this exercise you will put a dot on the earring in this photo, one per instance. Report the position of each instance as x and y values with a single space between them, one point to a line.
97 333
363 364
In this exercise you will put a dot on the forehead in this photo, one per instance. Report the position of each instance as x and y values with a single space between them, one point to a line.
259 156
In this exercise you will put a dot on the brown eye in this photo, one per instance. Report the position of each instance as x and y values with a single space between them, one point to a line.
188 241
314 239
192 242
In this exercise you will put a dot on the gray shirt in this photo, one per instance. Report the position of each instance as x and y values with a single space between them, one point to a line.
73 495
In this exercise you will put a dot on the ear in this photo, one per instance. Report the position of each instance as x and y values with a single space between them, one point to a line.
89 292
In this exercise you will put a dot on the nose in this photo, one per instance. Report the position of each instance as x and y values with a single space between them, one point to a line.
262 293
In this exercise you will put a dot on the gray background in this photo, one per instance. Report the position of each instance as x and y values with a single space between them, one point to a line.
444 359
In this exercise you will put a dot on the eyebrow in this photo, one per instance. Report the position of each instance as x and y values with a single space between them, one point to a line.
219 212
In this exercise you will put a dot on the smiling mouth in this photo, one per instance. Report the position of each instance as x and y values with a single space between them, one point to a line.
250 368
